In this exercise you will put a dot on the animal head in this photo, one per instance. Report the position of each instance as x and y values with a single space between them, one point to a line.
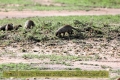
9 25
29 24
19 25
33 24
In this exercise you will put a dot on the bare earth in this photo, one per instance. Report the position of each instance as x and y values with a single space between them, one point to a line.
23 14
112 60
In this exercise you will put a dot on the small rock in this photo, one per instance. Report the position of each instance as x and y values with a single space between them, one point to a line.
23 50
35 50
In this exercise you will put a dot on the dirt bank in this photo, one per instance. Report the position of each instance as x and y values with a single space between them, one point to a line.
24 14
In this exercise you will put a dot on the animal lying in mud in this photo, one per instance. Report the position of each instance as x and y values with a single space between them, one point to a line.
64 29
7 27
29 24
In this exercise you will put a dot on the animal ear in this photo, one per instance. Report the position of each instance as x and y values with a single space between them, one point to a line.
20 25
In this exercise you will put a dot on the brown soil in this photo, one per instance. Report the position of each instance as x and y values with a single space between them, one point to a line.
109 56
23 14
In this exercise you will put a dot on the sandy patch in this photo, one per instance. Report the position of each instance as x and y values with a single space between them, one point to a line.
24 14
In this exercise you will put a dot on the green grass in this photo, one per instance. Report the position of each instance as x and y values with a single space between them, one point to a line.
59 74
65 4
60 20
91 3
15 4
115 78
56 59
50 25
51 57
46 27
14 66
24 67
15 1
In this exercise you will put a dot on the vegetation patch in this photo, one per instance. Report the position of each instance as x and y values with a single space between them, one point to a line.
43 36
56 58
7 5
88 26
91 3
58 74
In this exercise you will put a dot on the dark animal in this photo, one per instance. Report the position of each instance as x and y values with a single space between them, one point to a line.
7 27
29 24
3 27
16 27
64 29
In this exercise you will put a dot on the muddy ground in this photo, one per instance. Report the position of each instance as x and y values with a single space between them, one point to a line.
109 52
